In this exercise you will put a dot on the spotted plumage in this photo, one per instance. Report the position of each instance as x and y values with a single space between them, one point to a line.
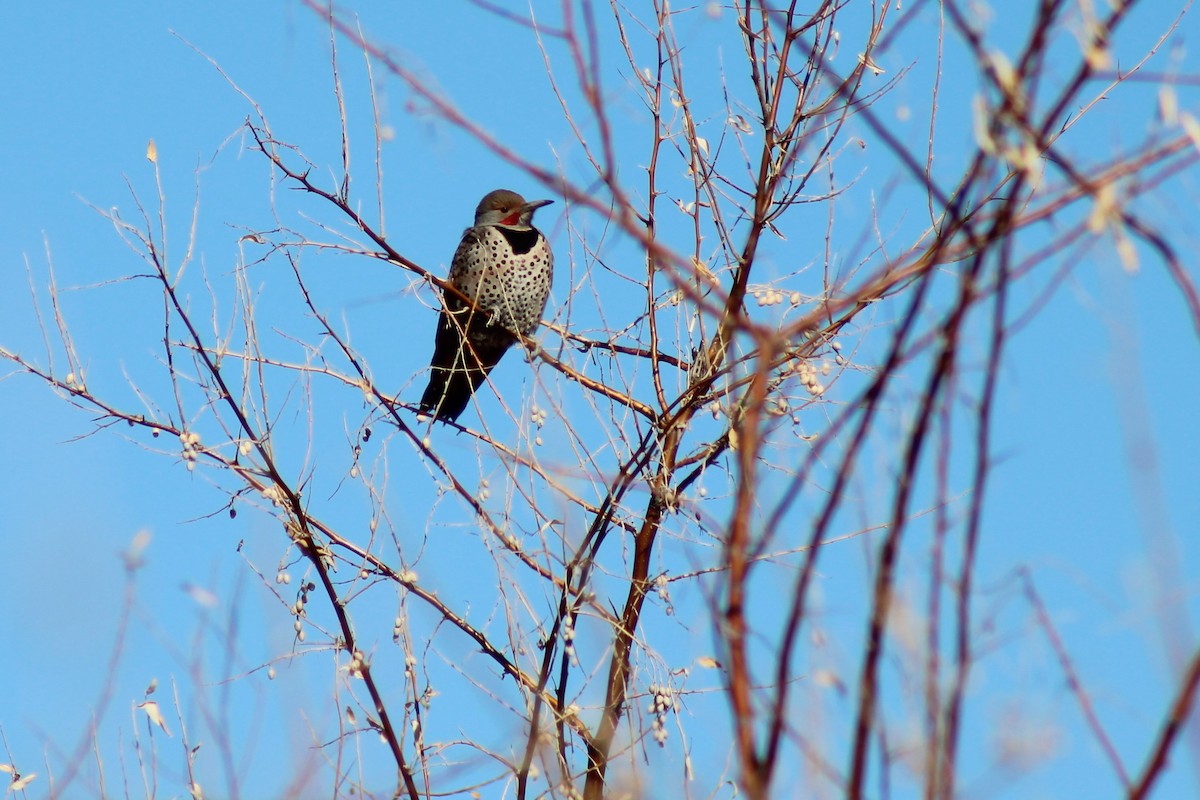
505 266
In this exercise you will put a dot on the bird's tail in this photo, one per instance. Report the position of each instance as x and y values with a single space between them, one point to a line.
459 366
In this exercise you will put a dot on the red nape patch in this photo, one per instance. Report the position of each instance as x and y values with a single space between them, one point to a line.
511 219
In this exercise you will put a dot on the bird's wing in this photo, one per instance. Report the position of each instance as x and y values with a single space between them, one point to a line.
465 266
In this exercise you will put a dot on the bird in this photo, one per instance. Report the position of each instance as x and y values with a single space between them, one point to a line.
505 267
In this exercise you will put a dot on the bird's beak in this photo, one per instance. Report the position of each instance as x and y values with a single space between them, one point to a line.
533 205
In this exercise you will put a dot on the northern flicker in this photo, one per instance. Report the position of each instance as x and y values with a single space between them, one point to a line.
505 266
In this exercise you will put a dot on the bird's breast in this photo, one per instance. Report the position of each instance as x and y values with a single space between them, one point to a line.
506 272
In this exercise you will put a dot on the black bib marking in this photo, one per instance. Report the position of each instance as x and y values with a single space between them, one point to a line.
521 241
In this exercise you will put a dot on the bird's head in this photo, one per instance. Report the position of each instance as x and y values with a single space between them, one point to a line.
506 207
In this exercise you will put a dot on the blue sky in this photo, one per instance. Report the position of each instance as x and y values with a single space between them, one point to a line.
1093 491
